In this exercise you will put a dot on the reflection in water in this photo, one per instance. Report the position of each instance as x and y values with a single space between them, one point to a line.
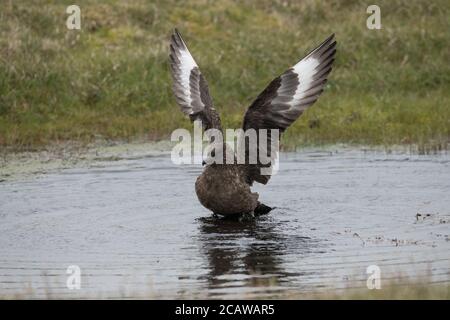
132 226
250 254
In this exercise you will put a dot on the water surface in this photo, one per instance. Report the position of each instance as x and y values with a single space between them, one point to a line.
135 228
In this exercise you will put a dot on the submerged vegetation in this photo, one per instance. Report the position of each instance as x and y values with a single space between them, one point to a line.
111 78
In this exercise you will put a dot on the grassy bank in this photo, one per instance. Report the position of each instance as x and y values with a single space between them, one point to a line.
411 291
391 292
111 78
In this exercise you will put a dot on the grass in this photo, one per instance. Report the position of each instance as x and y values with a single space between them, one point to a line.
392 291
111 78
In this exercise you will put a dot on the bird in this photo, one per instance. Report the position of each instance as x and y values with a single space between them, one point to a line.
225 188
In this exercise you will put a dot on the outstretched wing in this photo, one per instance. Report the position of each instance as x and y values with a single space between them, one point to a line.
288 95
189 85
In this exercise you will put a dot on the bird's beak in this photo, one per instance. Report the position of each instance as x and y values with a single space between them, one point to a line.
203 162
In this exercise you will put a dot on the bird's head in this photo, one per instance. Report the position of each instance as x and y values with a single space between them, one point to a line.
218 153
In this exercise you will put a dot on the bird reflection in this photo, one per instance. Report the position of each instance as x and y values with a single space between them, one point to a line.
249 254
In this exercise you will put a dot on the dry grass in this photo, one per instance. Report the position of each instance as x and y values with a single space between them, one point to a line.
391 291
111 79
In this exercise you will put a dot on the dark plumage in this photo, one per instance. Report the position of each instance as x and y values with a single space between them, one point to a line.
225 188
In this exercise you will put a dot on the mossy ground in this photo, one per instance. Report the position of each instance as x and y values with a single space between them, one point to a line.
111 79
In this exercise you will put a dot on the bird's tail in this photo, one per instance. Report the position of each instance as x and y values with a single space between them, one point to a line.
261 209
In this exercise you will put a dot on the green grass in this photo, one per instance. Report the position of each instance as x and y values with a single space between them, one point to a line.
392 291
111 79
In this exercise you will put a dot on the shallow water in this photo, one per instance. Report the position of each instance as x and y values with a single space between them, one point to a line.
135 228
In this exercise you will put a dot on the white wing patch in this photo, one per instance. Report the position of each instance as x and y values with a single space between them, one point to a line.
305 71
187 63
302 84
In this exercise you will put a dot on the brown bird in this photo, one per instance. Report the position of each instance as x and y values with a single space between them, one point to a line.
225 188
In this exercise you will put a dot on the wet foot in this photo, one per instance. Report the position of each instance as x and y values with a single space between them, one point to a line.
262 209
240 217
245 217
